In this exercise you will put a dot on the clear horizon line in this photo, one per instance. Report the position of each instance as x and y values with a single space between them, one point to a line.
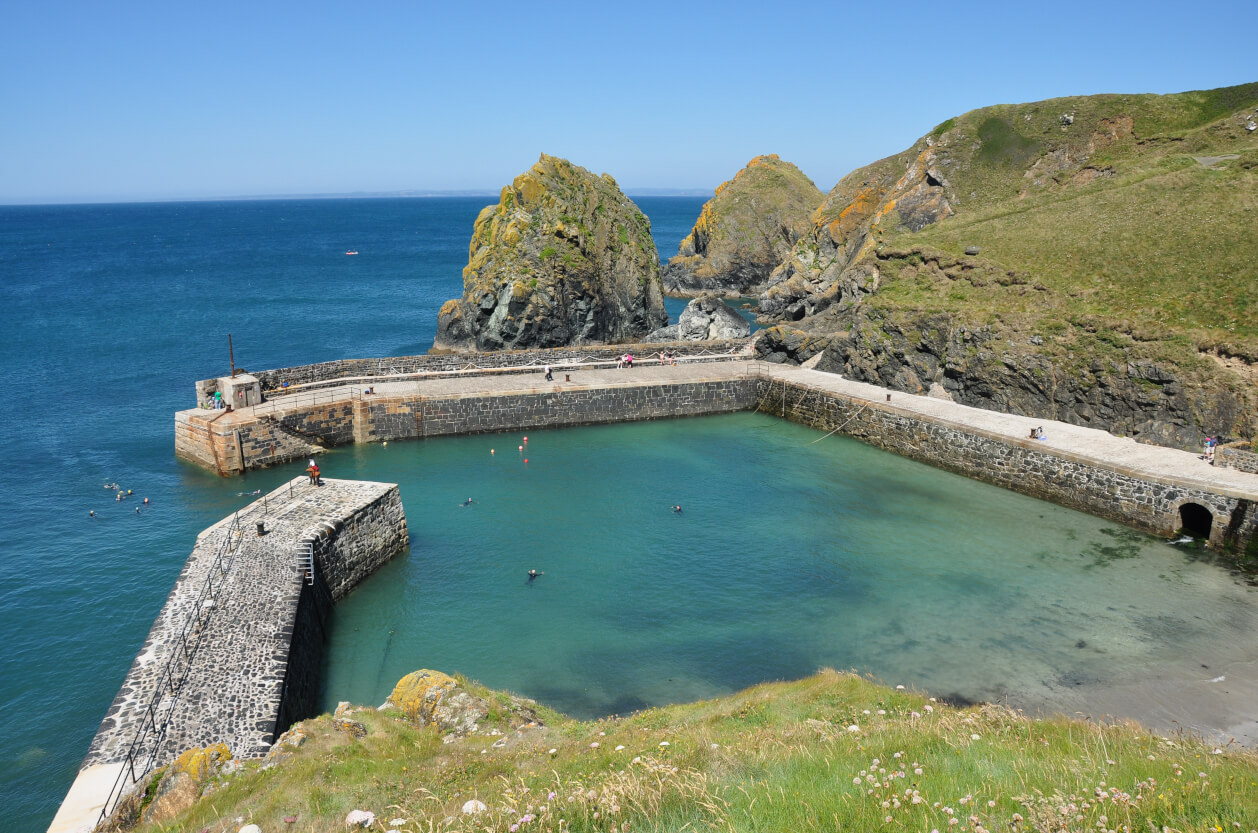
335 195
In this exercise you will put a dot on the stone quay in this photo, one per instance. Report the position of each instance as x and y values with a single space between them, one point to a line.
234 655
1153 488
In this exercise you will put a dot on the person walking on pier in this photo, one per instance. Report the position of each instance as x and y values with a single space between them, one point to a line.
313 471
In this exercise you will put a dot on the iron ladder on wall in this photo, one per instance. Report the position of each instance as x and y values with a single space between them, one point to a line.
305 561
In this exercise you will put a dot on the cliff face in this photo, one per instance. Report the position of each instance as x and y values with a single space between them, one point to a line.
563 258
1082 259
745 230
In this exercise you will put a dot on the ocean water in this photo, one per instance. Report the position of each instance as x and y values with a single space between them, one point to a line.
789 555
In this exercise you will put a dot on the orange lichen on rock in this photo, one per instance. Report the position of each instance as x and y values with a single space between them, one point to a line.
419 693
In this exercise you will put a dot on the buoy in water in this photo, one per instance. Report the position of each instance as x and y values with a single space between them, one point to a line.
521 448
491 451
386 442
526 439
526 459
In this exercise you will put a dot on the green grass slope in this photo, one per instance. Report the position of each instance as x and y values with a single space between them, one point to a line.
831 752
1139 211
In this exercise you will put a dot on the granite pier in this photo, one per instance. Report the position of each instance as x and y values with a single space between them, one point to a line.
234 655
1157 489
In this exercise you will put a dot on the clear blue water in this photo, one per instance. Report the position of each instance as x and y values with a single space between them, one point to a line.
788 555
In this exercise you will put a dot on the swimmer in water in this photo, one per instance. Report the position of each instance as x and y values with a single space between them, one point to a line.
91 513
677 509
466 502
534 574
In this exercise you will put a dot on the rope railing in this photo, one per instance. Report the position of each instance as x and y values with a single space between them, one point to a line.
154 724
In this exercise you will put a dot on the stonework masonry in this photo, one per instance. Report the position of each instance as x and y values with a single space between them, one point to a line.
235 653
1139 485
366 371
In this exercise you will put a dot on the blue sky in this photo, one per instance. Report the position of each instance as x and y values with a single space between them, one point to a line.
139 101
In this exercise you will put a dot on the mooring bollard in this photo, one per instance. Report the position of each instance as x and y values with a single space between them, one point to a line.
261 528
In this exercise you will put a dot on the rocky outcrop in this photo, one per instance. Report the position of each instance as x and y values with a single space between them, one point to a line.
166 793
431 698
827 266
705 318
745 230
1040 240
563 258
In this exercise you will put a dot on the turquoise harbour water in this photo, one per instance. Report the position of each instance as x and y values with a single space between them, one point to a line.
789 555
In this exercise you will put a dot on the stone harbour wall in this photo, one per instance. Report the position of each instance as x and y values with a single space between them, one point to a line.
295 429
234 656
1021 465
272 381
1237 456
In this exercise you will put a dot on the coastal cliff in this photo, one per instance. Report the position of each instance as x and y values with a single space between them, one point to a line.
745 230
1084 259
563 258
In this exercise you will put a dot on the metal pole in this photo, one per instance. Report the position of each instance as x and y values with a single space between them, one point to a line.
231 355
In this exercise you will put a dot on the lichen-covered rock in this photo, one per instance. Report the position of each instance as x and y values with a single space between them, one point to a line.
745 230
708 317
432 698
563 258
179 785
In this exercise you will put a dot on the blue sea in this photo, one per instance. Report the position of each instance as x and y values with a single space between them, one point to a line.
790 554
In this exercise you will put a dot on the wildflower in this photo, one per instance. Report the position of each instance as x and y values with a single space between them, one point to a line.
899 688
898 754
618 748
664 743
514 828
882 711
553 751
887 819
856 781
853 728
1218 752
550 796
929 708
865 712
594 745
917 771
991 803
973 737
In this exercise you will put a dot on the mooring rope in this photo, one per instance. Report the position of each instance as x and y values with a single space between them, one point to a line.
841 427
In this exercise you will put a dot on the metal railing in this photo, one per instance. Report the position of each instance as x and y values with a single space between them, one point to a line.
150 734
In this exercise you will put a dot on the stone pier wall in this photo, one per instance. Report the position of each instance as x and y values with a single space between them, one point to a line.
1025 466
234 656
307 375
292 431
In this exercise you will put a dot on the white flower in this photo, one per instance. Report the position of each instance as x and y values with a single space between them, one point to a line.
594 745
360 818
899 688
553 752
853 728
618 748
973 737
665 743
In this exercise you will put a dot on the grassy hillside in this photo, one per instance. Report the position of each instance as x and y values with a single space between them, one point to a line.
832 752
1126 209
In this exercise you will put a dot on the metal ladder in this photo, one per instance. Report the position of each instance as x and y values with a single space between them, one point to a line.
305 561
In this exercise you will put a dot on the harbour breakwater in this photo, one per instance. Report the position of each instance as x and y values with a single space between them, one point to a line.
234 655
1157 489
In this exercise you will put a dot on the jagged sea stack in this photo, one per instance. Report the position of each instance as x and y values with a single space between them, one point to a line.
563 258
744 231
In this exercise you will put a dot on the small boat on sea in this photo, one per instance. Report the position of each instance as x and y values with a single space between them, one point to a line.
352 253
